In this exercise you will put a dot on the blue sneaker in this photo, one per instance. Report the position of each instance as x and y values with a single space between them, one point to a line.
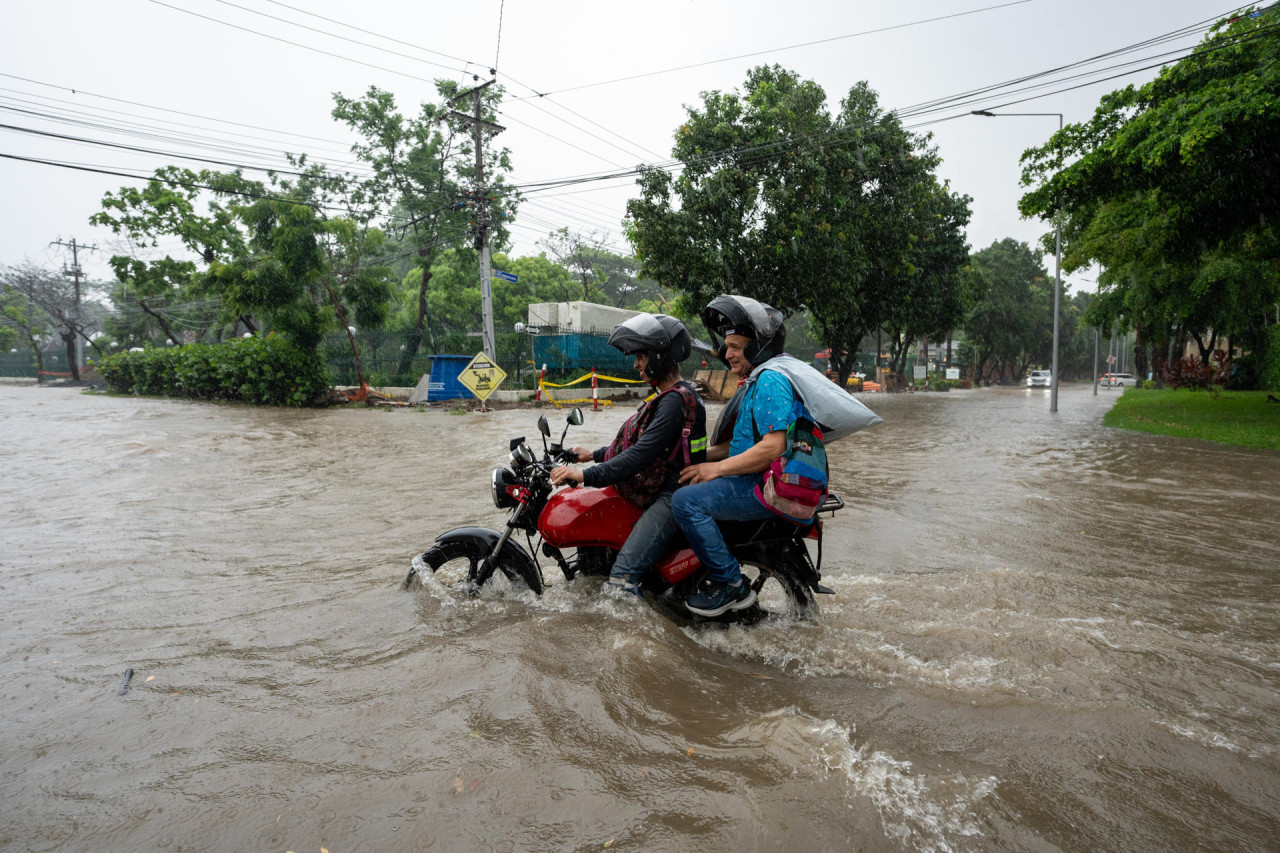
716 598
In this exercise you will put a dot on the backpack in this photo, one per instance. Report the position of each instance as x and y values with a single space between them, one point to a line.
642 489
795 484
834 410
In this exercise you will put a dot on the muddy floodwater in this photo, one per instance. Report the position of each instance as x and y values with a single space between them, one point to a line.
1046 635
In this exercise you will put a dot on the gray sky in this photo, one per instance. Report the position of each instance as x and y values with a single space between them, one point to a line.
208 82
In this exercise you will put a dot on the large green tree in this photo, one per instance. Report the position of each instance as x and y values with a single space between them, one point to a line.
272 250
1173 189
1010 321
779 200
928 295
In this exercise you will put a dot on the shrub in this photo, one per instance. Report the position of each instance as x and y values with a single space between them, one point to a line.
264 369
1148 384
1269 380
1188 372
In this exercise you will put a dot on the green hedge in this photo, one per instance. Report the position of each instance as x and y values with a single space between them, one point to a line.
1271 360
267 370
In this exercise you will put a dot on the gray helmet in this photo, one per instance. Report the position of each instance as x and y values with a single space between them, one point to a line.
742 315
665 339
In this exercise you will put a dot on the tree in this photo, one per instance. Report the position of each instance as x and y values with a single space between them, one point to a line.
1173 188
421 167
271 249
779 201
928 296
51 301
1010 322
21 319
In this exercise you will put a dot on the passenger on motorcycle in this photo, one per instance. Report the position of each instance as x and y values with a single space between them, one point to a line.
667 433
723 488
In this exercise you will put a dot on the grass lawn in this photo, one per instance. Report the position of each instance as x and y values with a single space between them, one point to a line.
1243 418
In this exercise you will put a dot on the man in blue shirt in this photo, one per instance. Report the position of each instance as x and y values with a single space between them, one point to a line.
723 487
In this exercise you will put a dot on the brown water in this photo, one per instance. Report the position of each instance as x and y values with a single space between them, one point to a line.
1047 635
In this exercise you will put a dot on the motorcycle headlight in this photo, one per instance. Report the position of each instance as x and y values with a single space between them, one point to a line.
502 478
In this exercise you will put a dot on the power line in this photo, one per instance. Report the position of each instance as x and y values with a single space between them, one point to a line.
293 43
166 109
330 35
777 49
189 184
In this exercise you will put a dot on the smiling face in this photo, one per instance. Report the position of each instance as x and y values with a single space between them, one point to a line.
733 353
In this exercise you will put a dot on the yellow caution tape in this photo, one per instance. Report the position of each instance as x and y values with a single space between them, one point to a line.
588 376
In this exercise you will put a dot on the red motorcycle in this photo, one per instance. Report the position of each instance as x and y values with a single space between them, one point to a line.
596 522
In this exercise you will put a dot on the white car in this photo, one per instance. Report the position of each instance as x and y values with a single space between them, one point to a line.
1039 379
1119 380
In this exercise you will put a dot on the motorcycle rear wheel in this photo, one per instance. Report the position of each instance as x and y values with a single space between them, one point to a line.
457 564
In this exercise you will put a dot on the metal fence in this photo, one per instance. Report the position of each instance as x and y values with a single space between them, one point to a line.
22 364
390 358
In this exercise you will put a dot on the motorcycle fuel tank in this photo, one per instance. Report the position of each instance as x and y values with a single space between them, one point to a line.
583 516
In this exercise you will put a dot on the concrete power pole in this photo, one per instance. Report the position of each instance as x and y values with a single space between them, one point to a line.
483 223
75 272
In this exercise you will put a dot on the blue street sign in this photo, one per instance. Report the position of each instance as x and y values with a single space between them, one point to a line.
505 276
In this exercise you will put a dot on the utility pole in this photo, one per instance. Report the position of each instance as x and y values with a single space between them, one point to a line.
483 223
75 272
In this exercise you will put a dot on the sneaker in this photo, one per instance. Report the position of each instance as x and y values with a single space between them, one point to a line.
716 598
622 583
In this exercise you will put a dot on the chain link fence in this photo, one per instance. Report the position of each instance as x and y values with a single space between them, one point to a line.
22 364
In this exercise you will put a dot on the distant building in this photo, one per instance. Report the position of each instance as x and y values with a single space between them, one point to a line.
575 335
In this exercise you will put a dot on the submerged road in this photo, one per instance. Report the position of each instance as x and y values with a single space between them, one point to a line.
1046 635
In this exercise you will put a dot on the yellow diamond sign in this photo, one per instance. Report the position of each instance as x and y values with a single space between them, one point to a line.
482 377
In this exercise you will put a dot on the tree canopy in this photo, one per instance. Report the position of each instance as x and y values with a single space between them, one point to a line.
1173 189
781 201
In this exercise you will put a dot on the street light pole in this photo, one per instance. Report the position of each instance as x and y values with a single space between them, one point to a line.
1057 273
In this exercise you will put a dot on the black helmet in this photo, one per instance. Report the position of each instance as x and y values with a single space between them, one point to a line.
664 339
742 315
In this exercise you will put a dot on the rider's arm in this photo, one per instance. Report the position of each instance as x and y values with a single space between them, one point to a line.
717 452
755 458
769 408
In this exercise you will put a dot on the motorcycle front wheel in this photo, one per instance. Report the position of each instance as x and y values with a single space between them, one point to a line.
457 565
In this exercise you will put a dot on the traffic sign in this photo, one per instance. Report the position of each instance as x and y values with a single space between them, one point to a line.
505 276
1111 359
482 377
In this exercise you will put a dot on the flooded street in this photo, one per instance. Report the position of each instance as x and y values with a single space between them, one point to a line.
1046 635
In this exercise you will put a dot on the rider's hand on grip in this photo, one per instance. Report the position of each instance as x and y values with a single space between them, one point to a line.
565 475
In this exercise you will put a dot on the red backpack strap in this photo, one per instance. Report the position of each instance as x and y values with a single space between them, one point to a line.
690 418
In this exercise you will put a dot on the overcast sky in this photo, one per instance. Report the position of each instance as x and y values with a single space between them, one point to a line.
243 81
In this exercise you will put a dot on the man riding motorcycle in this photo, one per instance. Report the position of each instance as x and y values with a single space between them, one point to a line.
668 432
724 487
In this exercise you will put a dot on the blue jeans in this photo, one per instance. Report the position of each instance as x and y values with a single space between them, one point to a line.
697 509
648 541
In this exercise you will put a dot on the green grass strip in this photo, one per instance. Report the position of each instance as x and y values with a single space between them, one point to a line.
1241 418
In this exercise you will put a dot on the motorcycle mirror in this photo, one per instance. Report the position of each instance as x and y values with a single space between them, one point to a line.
543 426
575 416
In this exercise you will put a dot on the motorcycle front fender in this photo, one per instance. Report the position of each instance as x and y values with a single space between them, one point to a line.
481 540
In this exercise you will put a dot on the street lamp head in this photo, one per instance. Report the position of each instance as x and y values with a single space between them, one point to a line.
983 113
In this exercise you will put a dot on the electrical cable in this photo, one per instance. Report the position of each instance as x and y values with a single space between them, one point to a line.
293 43
332 35
778 49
